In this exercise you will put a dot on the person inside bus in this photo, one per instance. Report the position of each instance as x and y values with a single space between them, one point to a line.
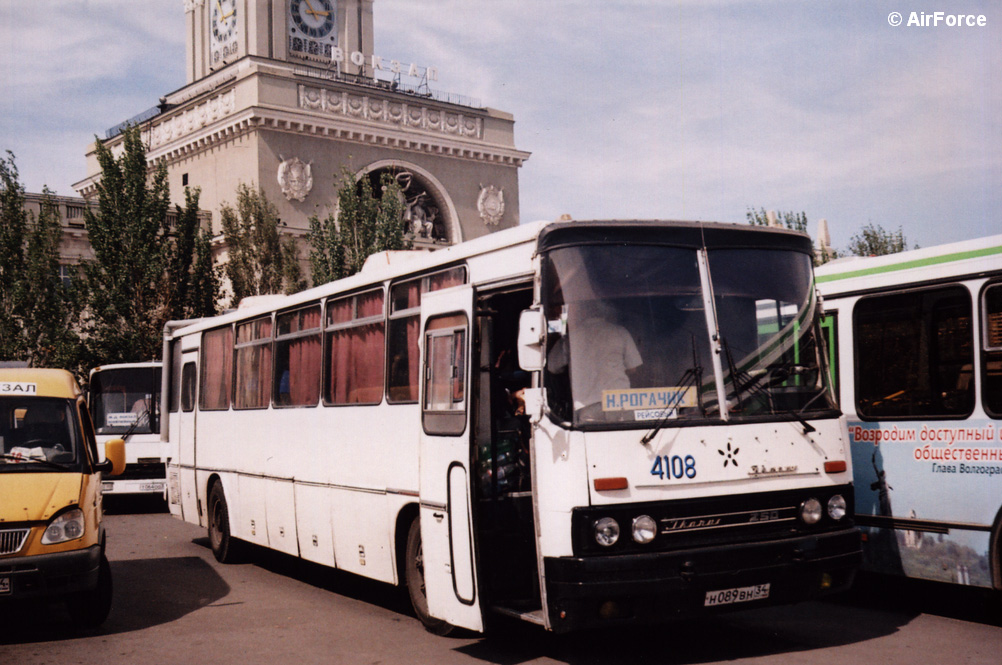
604 356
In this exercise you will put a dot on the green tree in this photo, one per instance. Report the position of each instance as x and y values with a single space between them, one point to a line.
360 226
144 272
874 240
193 281
796 221
50 324
259 261
37 314
13 229
127 298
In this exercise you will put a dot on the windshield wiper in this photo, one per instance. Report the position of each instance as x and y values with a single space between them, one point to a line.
17 459
776 373
690 377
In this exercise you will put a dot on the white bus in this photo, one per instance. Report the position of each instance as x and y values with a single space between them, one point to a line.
124 402
573 423
916 341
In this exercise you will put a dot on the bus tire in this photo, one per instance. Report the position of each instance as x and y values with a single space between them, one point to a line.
222 543
414 576
89 609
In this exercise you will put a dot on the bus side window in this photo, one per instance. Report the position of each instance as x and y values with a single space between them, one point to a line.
188 375
829 328
914 354
991 341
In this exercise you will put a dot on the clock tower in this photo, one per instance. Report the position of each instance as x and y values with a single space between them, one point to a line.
288 95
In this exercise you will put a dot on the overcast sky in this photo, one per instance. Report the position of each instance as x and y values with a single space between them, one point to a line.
674 109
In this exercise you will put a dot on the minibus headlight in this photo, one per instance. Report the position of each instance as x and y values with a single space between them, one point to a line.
810 511
66 527
836 507
606 532
644 529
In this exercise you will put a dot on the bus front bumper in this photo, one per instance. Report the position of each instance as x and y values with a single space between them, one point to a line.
49 575
604 590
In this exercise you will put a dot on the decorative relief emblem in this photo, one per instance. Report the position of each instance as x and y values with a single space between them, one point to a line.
192 5
490 204
296 178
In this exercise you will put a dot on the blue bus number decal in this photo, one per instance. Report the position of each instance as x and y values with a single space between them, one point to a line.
674 467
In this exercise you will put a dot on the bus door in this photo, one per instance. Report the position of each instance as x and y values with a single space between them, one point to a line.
445 476
185 437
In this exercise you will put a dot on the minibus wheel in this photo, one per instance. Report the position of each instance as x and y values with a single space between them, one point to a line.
222 543
414 572
89 609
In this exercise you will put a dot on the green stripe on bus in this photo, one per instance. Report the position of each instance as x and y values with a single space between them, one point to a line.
917 263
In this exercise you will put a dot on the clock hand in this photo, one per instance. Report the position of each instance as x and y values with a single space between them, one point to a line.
314 12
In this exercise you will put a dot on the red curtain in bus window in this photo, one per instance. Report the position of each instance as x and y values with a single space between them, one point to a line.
305 361
217 369
368 349
404 359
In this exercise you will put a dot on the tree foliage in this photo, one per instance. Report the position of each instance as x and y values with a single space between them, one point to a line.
144 272
193 282
37 314
13 228
874 240
797 221
260 261
360 226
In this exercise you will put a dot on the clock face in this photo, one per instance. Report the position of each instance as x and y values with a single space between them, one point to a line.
312 28
313 19
223 30
224 20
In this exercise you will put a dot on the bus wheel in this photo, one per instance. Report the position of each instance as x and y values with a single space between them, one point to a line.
414 573
223 546
89 609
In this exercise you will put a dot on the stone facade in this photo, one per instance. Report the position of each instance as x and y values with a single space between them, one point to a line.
259 112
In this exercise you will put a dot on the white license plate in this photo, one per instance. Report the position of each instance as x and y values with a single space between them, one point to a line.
152 487
4 586
737 595
107 487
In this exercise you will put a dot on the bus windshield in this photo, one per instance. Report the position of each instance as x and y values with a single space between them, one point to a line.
628 340
126 400
39 434
767 315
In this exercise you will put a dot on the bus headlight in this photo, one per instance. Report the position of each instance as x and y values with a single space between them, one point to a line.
644 529
810 511
836 507
66 527
606 531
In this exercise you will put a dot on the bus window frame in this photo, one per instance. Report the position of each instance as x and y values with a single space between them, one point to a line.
426 284
328 329
278 338
204 364
858 370
985 349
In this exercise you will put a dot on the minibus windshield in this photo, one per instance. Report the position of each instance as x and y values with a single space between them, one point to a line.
39 434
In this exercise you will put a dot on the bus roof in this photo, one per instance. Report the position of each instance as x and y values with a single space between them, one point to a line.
967 258
392 265
44 382
140 365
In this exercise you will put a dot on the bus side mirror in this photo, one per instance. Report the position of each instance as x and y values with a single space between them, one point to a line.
530 340
114 453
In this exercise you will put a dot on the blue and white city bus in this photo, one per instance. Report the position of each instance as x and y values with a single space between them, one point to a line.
916 340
